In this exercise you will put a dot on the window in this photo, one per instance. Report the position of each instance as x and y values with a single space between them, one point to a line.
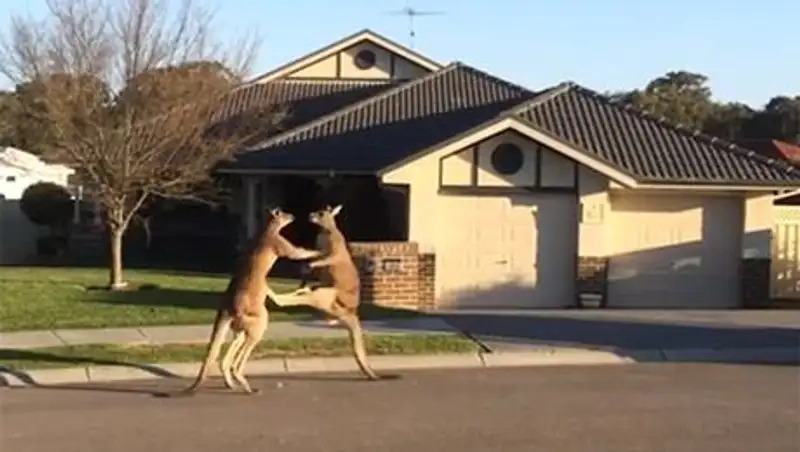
11 178
507 159
365 59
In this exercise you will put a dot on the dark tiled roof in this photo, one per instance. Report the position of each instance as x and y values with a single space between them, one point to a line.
647 148
389 127
392 125
304 100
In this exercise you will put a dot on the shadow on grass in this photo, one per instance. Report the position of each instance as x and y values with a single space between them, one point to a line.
155 296
151 295
176 268
200 267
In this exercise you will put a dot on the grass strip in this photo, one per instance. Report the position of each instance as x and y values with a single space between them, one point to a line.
46 298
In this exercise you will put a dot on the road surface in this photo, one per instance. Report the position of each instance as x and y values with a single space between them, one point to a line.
644 407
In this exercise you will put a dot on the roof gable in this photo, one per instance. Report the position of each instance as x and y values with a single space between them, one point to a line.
649 148
318 61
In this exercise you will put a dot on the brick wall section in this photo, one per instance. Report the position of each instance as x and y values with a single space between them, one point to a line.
427 280
592 276
755 283
389 273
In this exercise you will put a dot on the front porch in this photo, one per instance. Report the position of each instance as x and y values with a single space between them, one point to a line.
372 211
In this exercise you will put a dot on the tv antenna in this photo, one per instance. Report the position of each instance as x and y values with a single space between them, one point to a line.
411 13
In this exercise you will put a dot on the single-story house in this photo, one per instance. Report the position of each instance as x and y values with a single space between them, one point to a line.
519 197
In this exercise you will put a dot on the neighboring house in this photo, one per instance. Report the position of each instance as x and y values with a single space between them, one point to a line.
779 150
786 228
775 149
518 197
18 171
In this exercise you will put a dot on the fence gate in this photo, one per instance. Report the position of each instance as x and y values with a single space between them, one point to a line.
786 253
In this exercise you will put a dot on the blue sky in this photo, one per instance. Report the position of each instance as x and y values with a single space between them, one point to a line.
750 50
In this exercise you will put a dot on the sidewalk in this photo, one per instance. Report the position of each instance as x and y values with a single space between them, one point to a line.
182 334
495 352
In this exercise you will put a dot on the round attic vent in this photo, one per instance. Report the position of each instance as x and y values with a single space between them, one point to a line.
507 158
364 59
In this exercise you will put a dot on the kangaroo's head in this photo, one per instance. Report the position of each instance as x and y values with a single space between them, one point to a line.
325 218
278 219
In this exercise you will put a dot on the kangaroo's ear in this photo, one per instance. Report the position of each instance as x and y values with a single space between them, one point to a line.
335 210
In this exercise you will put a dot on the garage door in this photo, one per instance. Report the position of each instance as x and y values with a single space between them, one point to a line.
507 251
675 252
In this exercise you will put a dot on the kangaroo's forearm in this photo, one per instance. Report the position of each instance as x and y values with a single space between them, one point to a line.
299 253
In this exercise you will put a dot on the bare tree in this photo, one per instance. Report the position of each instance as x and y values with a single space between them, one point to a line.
129 92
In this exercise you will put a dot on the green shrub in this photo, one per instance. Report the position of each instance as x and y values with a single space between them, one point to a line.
47 204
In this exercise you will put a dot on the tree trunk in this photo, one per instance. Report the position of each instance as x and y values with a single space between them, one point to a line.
115 276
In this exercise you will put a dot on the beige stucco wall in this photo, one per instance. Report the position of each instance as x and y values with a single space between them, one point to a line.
423 180
644 221
594 214
759 219
597 239
428 209
685 208
327 67
423 177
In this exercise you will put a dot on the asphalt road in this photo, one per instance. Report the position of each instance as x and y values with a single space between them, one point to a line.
646 407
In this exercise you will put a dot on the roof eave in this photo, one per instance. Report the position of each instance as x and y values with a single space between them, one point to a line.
329 172
732 185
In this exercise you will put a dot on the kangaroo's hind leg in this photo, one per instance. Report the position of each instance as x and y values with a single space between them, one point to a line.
328 301
233 350
255 329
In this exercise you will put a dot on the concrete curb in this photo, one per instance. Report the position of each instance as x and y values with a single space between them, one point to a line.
544 356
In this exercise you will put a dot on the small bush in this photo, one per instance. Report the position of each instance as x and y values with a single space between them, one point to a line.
46 204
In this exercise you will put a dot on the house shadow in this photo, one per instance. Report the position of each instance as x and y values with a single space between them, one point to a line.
151 387
155 296
69 360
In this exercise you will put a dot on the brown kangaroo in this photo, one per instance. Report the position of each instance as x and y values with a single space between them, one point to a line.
242 307
321 275
341 299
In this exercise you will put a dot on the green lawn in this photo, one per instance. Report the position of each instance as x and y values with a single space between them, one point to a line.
33 298
125 355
